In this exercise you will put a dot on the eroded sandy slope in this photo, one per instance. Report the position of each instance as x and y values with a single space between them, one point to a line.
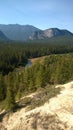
55 114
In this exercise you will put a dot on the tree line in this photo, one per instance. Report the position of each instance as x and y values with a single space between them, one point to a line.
14 54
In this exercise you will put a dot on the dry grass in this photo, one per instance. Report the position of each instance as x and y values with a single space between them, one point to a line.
53 115
43 95
39 59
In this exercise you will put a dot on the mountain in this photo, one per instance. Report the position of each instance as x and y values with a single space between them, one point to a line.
3 37
28 32
50 33
18 32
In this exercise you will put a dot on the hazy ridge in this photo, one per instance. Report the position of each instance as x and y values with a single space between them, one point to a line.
28 32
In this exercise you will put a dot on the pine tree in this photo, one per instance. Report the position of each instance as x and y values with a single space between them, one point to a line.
41 77
2 88
10 99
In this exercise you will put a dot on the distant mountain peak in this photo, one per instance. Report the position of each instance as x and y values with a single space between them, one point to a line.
18 32
49 33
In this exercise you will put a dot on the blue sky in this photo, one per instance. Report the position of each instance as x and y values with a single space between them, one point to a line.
40 13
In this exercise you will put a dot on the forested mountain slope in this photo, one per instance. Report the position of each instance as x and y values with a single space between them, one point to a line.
16 87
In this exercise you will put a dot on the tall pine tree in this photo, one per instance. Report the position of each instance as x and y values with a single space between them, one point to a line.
10 99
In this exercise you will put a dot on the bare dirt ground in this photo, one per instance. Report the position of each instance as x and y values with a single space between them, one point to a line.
55 114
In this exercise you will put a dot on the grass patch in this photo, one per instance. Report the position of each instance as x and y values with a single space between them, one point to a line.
43 95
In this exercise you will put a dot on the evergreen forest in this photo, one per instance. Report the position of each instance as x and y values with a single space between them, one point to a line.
55 68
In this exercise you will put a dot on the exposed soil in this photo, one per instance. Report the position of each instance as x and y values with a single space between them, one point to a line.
55 114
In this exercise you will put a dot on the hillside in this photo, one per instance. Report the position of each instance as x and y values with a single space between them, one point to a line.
50 33
17 32
30 97
3 37
55 114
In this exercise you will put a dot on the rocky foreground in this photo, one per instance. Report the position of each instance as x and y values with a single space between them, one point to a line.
55 114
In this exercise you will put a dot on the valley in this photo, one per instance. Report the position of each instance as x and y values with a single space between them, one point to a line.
36 84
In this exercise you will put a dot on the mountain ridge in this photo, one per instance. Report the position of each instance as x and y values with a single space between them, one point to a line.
19 32
49 33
